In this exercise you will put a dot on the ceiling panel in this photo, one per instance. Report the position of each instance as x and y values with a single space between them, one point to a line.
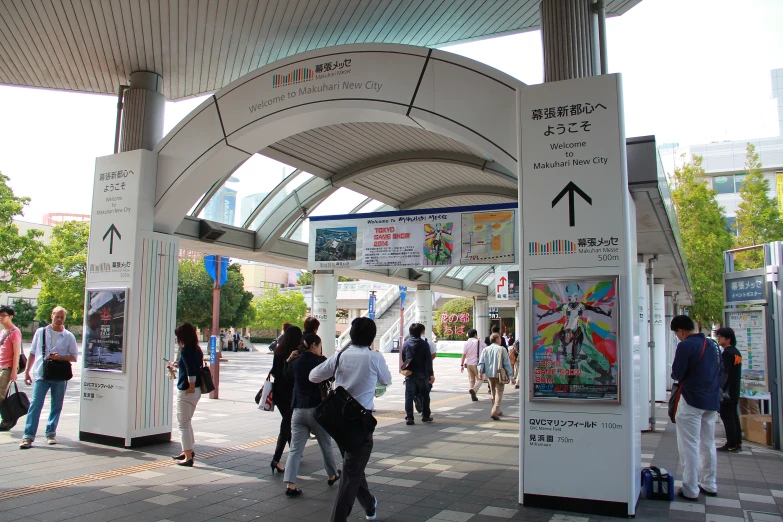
199 46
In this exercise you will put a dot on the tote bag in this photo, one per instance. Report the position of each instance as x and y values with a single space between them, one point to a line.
15 404
264 396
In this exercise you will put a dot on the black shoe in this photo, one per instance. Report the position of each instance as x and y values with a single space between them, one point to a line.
409 422
292 492
276 467
182 456
735 450
686 497
370 513
335 479
417 403
187 463
725 447
708 493
426 419
473 395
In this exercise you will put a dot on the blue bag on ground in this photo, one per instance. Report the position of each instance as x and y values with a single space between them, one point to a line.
657 484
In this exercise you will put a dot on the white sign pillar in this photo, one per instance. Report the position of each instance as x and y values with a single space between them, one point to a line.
131 404
324 307
424 308
576 233
481 316
659 336
642 405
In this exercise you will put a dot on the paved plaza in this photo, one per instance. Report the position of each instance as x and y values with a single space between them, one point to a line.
463 466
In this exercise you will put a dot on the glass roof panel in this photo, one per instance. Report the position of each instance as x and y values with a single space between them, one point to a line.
233 203
465 270
453 271
274 202
337 203
372 206
487 279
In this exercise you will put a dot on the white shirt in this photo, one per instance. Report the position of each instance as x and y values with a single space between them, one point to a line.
359 370
61 343
433 347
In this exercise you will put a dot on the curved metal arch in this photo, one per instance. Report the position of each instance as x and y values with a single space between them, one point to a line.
280 186
465 190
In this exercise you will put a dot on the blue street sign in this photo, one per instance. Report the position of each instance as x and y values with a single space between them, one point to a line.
402 296
209 264
749 289
212 349
371 307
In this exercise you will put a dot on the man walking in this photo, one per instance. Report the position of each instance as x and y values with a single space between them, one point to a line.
696 367
493 358
10 348
729 405
58 344
471 351
416 352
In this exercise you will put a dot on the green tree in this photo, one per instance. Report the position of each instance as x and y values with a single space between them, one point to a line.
704 236
63 283
758 220
306 278
274 308
454 319
194 296
22 257
24 312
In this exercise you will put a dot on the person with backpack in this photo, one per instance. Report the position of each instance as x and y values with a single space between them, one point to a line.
417 358
697 367
10 350
471 352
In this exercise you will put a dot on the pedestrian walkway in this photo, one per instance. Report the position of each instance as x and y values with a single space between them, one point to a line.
461 467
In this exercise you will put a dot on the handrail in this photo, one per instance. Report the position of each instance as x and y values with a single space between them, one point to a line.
394 332
381 305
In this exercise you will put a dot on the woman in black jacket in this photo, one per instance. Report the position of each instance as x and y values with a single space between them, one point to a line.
189 364
307 396
283 389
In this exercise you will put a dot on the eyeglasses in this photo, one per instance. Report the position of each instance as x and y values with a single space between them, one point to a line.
4 315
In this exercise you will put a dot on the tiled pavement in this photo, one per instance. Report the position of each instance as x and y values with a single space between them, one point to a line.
461 467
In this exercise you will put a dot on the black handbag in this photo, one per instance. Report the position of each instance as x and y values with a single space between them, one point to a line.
207 384
15 404
55 370
343 418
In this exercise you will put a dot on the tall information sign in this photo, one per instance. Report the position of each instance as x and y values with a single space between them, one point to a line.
577 251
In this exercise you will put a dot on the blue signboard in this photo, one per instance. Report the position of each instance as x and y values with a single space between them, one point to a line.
402 296
209 264
212 349
371 307
746 287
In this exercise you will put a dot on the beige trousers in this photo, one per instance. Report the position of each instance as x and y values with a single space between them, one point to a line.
473 377
496 387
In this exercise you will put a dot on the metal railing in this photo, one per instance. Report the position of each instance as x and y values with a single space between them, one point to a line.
383 302
394 332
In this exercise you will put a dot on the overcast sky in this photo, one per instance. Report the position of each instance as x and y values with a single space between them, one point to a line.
694 71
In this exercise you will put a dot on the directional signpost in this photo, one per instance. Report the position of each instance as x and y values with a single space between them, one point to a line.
570 189
501 285
111 233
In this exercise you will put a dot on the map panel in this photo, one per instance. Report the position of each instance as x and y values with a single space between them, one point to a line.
487 237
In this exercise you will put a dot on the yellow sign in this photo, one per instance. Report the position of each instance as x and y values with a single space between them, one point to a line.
779 191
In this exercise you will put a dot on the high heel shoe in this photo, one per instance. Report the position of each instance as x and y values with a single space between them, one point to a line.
292 492
335 479
276 467
183 457
187 463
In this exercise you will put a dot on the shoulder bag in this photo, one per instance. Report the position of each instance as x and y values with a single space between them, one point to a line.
674 398
343 418
22 357
502 373
54 370
264 397
207 384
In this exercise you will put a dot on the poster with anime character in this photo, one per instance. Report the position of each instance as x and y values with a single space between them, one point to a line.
438 244
574 346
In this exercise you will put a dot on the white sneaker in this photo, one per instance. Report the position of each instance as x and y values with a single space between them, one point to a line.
51 440
26 444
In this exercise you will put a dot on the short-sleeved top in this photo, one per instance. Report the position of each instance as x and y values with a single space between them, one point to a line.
471 350
61 343
7 348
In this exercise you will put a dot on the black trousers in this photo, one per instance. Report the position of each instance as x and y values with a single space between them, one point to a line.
421 387
353 483
285 429
729 415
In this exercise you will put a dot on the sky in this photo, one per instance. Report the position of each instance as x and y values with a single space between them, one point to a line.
694 71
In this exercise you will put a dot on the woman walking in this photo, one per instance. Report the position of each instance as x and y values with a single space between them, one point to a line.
307 396
491 360
189 364
283 390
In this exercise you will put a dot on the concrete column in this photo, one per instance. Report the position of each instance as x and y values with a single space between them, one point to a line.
659 336
642 408
671 341
143 112
568 34
324 307
424 308
481 316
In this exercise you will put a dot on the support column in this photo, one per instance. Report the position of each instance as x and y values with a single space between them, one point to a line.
481 315
143 112
568 33
659 337
643 398
424 308
324 307
670 341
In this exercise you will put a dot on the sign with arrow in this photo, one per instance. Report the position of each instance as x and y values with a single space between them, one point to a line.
501 285
573 149
110 234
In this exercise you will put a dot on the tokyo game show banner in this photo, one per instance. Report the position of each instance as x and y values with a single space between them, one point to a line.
410 239
575 353
104 338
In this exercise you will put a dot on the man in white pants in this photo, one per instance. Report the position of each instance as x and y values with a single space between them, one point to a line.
696 367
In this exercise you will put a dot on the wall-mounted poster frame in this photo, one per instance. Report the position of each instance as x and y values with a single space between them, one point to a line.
574 353
750 329
104 329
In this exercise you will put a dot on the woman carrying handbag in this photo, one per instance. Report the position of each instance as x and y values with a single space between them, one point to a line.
189 364
283 390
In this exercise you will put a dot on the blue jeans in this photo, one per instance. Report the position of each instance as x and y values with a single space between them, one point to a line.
40 388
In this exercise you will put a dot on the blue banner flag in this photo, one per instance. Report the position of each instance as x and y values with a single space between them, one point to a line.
209 264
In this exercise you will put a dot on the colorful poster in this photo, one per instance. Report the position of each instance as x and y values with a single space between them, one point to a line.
574 348
748 326
104 332
414 239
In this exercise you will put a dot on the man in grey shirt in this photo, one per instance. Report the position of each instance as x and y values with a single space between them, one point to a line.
359 370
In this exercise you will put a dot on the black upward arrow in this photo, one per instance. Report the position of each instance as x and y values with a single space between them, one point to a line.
570 189
111 232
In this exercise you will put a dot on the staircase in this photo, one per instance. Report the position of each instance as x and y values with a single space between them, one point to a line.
387 319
